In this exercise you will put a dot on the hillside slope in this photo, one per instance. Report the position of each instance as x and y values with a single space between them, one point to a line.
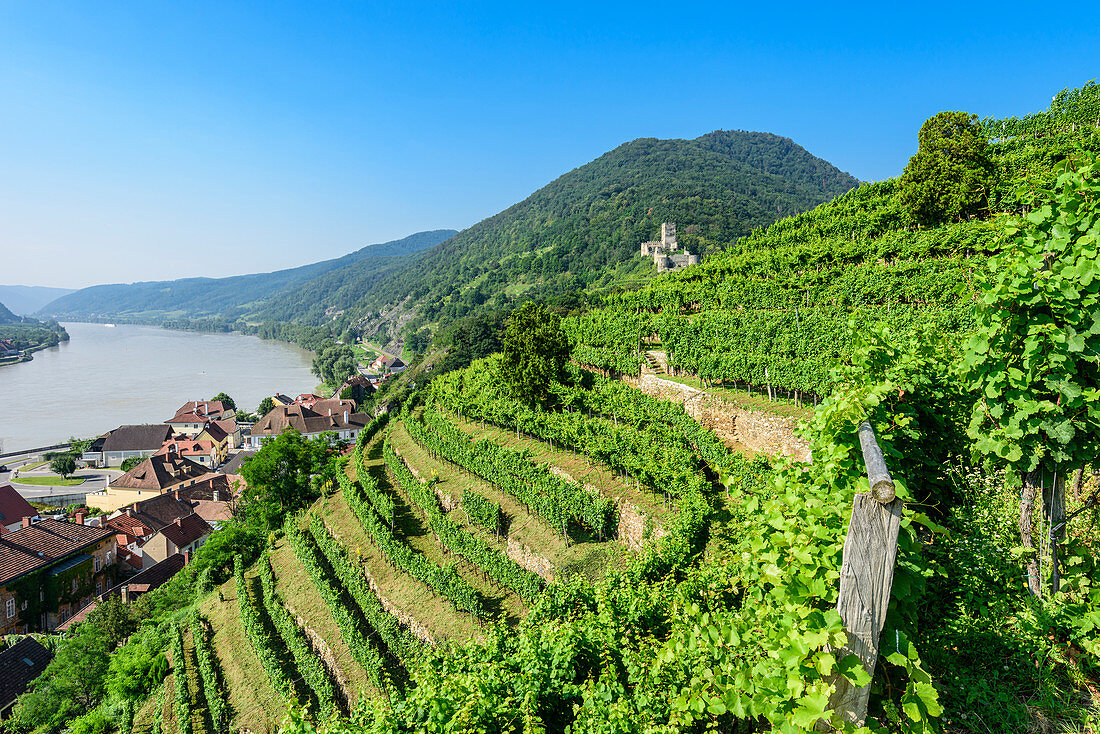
6 316
585 227
27 299
230 297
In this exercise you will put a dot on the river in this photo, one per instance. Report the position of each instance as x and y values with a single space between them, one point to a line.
104 377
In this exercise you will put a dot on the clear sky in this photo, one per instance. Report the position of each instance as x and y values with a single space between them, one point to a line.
156 140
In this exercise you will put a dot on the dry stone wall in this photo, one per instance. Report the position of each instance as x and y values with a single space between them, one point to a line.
633 521
756 429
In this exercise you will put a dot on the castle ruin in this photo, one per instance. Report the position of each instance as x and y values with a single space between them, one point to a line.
665 252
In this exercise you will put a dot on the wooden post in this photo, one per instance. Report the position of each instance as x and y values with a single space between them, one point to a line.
866 578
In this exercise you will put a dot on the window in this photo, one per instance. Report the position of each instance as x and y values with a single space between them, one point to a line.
95 564
98 587
11 608
108 558
74 583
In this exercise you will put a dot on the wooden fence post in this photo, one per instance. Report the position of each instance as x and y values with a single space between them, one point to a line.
866 578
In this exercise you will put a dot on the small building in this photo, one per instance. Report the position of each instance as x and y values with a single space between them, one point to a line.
127 442
357 387
184 535
156 475
232 432
193 416
13 508
51 569
20 665
202 452
310 423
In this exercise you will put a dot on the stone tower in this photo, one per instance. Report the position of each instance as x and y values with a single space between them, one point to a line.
668 236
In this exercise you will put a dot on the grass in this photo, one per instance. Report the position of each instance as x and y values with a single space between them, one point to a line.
300 595
48 481
589 558
253 703
35 465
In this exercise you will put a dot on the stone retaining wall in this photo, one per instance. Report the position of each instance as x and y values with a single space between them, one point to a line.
324 652
529 560
631 529
758 430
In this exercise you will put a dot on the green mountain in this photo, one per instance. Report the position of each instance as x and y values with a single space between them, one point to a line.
584 228
231 297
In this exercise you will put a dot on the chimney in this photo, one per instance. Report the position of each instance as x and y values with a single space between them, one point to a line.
129 512
186 557
176 493
27 521
80 518
345 417
126 594
330 412
217 496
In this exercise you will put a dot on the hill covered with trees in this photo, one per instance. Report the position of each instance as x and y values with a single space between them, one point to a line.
584 228
232 297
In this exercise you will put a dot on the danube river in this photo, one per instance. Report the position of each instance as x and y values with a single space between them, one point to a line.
105 377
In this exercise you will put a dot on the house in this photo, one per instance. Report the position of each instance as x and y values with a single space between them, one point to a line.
233 466
193 416
356 387
20 664
391 365
216 435
13 508
202 452
126 442
310 423
129 590
156 475
280 399
232 432
307 399
51 569
184 535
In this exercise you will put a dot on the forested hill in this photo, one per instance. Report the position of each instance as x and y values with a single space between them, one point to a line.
231 297
585 227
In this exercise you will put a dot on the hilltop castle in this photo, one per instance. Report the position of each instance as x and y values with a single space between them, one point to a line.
664 252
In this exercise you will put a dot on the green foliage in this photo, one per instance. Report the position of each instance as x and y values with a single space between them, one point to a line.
130 463
336 580
286 475
951 175
498 566
266 406
266 645
334 363
63 464
534 352
308 666
182 706
1033 362
226 400
214 688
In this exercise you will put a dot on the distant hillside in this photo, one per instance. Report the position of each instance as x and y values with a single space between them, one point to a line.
6 316
231 297
585 227
27 299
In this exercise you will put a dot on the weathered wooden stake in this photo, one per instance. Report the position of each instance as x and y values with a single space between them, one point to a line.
866 578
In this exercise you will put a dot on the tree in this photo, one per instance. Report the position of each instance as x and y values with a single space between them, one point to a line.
334 363
950 176
226 400
282 475
535 351
63 464
1034 362
130 463
266 406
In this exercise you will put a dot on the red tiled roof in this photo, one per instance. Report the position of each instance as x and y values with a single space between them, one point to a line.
197 411
159 472
306 420
42 544
186 530
13 508
216 432
131 526
187 447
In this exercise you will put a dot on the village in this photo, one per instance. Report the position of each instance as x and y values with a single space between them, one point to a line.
167 489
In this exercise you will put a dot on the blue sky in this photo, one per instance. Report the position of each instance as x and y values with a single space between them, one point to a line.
156 140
